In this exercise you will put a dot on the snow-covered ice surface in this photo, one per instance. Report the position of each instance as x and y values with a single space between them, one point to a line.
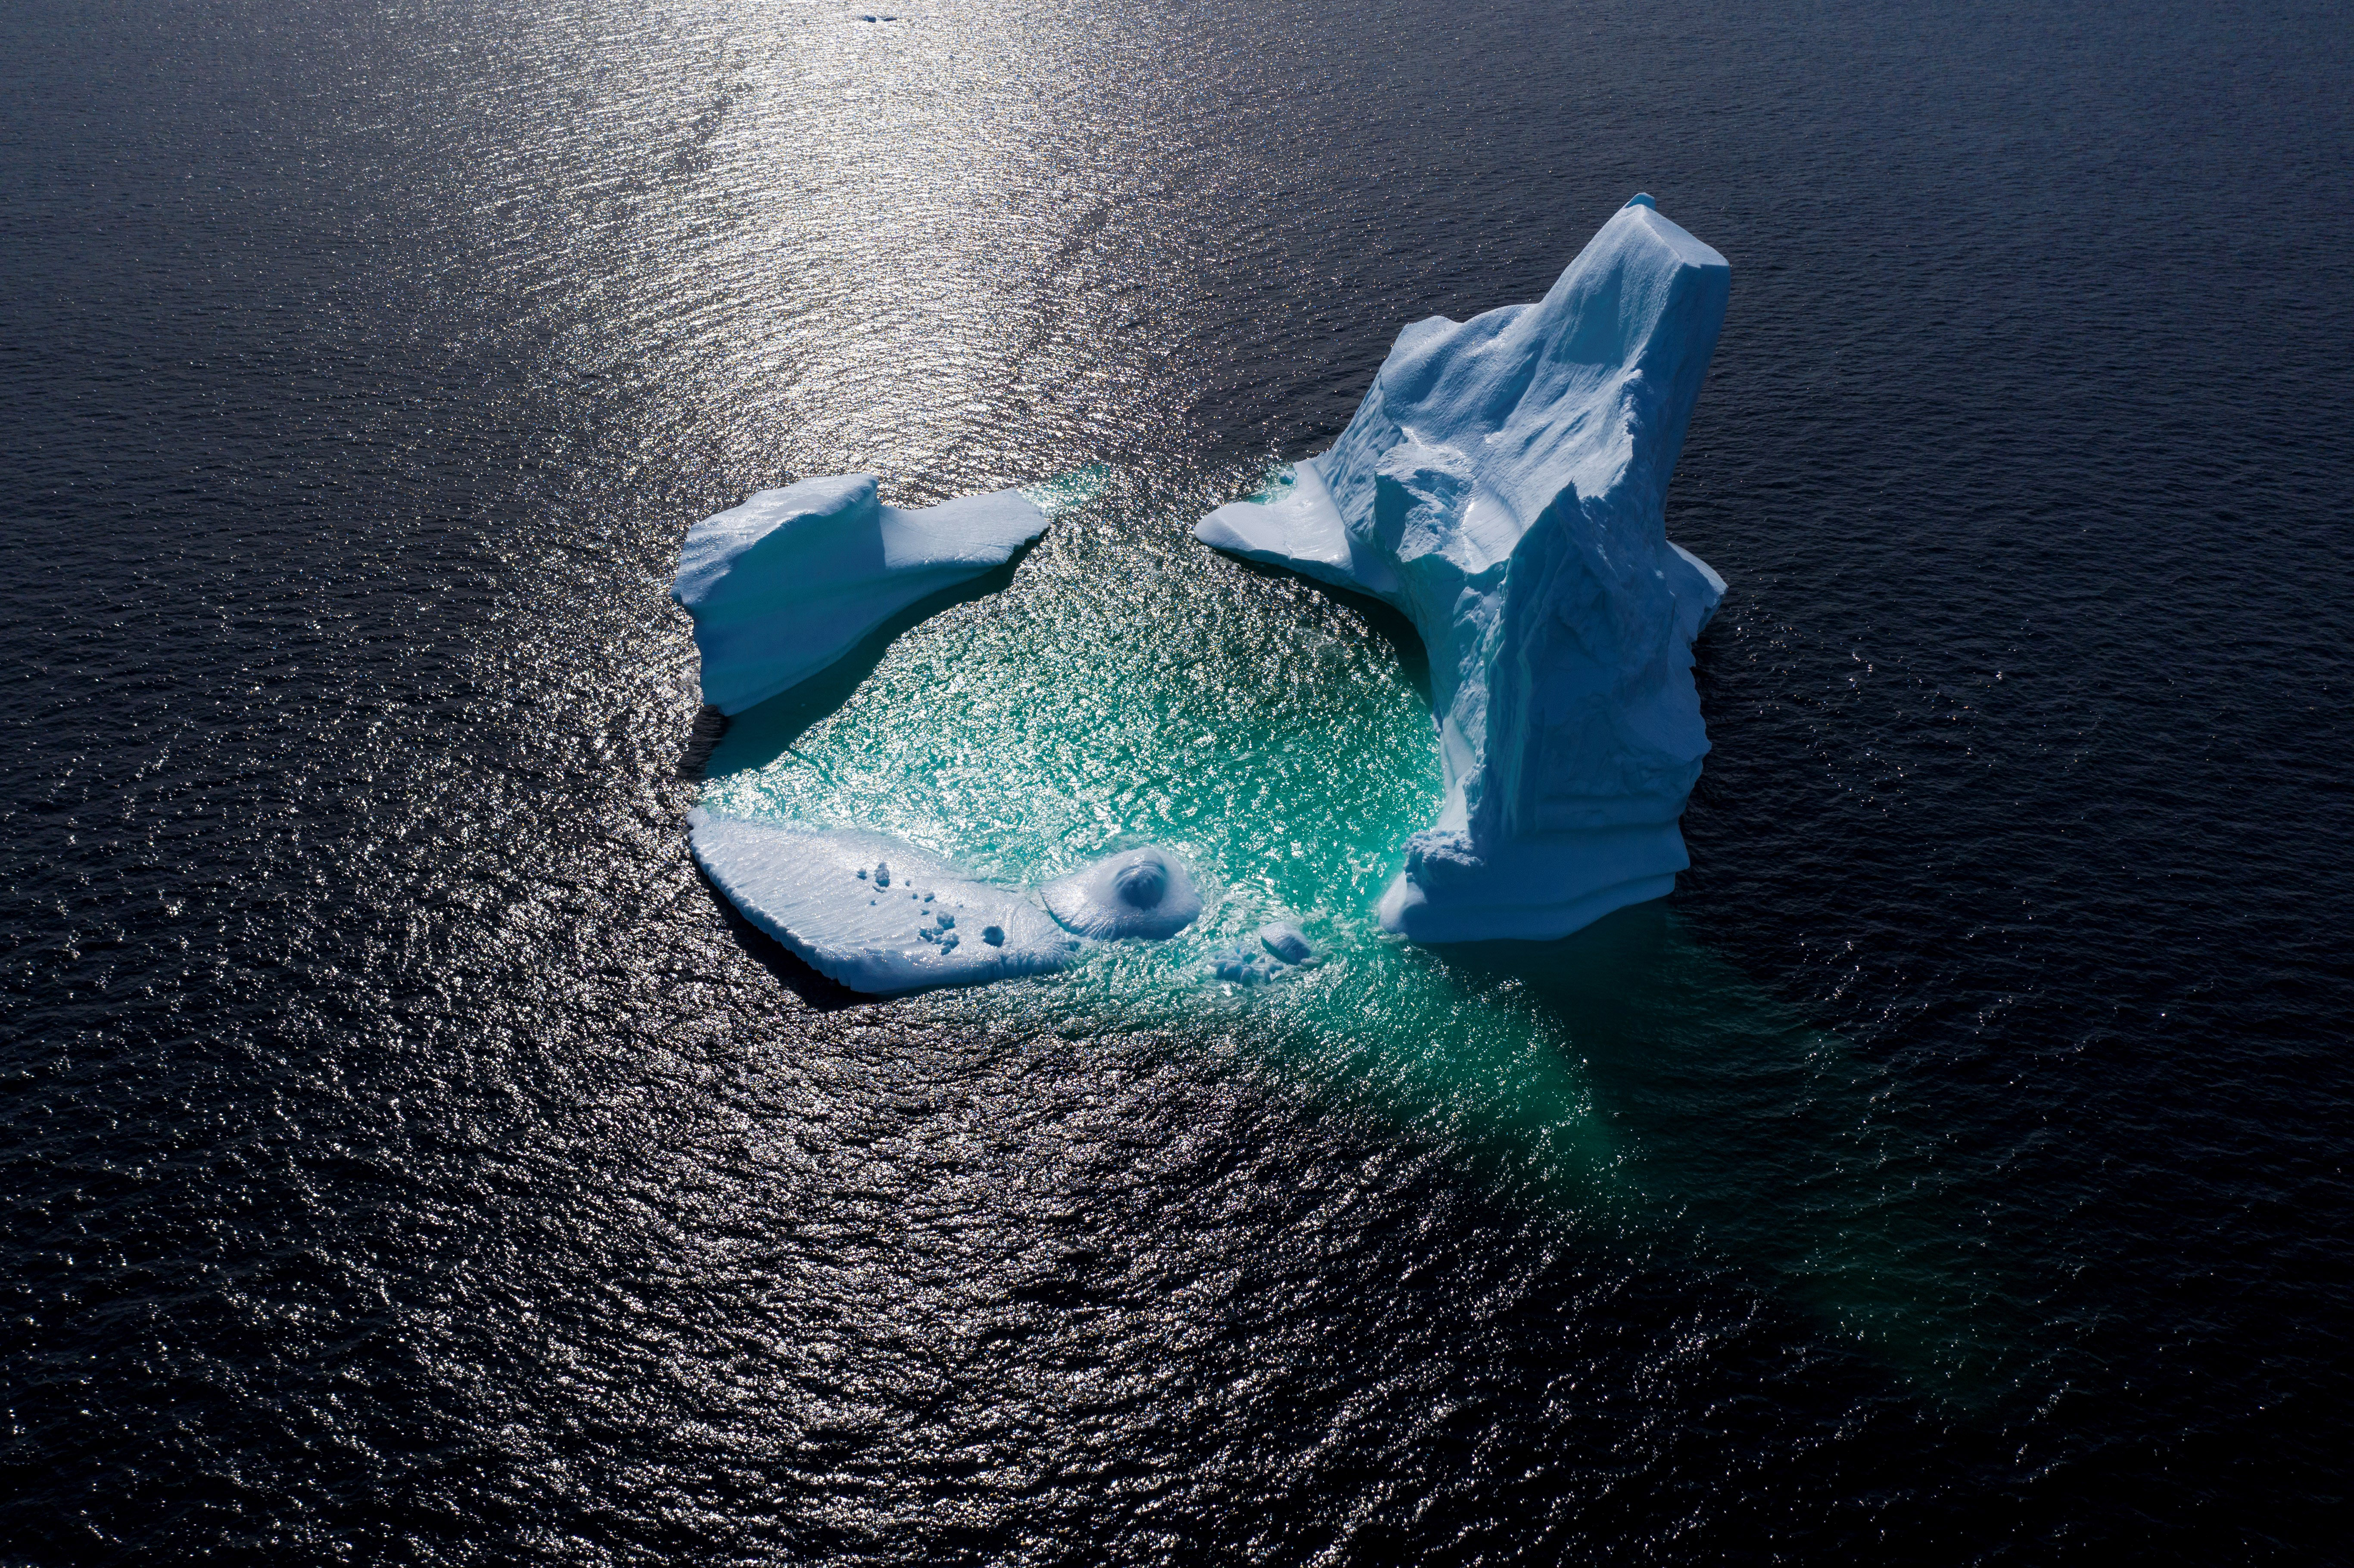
1504 485
786 584
874 913
878 914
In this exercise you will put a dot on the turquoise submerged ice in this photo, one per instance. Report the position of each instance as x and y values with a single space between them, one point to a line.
788 582
1504 485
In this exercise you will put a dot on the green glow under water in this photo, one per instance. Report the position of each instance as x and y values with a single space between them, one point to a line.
1121 684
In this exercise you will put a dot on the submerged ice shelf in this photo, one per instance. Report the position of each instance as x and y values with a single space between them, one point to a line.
788 582
1504 485
877 914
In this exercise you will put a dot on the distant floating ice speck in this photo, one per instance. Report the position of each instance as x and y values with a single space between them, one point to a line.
1504 484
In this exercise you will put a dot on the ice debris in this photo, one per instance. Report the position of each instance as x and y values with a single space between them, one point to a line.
788 582
879 915
1504 485
1138 893
1282 948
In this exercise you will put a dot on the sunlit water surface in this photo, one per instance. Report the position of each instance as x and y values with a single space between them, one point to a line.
407 1156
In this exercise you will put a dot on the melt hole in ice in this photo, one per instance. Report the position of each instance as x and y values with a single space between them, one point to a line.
1142 893
1142 885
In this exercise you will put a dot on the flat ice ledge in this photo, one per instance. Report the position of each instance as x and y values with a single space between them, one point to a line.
879 915
872 913
791 581
1541 891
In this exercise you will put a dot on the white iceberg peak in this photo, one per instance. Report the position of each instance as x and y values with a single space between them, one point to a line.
1504 484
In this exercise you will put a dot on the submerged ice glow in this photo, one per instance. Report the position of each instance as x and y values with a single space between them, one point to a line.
786 584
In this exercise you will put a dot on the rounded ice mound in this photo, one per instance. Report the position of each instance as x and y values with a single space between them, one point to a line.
1136 893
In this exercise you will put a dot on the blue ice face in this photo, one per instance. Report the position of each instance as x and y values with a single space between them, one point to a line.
1504 484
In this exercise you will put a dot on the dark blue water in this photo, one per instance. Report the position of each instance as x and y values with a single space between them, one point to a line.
408 1159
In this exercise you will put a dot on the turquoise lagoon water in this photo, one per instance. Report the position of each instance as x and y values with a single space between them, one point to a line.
1119 684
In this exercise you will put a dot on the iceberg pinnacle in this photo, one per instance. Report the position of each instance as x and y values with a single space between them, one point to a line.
1504 485
788 582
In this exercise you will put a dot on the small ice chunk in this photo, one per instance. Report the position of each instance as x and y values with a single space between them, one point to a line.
1286 941
1136 893
788 882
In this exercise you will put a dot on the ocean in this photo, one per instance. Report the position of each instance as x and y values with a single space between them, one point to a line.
408 1156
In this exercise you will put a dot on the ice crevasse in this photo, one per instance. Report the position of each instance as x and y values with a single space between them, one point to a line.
1504 485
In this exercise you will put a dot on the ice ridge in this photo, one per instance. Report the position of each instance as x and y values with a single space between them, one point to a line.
1504 485
788 582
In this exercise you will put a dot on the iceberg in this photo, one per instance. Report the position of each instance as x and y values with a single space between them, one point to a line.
879 915
1504 485
788 582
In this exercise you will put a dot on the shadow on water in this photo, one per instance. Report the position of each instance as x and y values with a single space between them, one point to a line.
1755 1135
768 729
1391 625
703 737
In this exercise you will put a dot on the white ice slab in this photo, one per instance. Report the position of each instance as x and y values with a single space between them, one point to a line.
874 913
